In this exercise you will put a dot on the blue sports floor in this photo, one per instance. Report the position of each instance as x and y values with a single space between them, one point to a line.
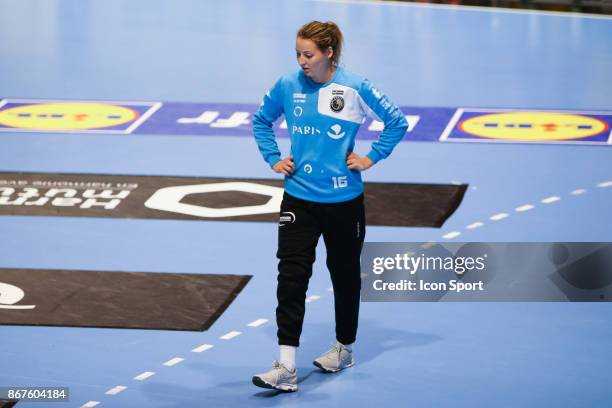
407 354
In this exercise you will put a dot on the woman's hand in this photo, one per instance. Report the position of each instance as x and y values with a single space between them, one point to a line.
356 162
285 166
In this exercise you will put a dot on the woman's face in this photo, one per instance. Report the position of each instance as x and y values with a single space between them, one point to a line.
314 63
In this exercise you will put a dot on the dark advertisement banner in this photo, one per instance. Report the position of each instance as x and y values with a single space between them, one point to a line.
489 272
212 199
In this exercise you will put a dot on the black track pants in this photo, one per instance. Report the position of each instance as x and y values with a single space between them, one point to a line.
343 228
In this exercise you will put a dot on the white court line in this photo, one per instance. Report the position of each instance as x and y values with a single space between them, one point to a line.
230 335
550 200
174 361
312 298
144 376
428 245
100 101
499 216
451 125
87 131
258 322
143 118
116 390
510 141
523 208
202 348
526 207
475 225
90 404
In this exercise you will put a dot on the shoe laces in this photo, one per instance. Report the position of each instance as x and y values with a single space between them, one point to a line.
277 367
336 347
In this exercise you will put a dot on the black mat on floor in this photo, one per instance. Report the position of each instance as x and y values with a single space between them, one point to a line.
411 205
135 300
89 195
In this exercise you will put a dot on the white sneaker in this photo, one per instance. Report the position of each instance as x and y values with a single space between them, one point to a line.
279 378
336 359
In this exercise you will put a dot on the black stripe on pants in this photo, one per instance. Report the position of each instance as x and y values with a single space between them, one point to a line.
343 228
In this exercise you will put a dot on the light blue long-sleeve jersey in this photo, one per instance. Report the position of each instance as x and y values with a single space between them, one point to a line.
322 120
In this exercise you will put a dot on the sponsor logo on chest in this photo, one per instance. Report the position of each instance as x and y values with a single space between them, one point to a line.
299 97
305 130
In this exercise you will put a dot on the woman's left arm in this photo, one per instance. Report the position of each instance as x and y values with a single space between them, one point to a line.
378 106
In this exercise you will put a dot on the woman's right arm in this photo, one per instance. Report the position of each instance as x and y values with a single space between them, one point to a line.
270 109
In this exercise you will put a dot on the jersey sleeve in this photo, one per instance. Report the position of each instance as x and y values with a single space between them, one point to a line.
376 105
269 110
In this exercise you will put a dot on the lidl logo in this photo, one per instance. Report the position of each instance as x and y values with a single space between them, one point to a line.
65 116
529 126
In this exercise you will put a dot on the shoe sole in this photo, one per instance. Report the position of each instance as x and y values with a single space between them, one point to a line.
329 370
286 388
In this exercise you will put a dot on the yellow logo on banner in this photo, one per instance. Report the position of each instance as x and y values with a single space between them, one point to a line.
533 126
66 116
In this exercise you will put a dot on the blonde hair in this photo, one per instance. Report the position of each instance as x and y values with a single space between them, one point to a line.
324 35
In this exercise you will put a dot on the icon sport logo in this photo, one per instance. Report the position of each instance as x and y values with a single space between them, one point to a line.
528 126
73 116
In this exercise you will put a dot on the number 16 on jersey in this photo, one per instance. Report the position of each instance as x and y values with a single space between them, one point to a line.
340 181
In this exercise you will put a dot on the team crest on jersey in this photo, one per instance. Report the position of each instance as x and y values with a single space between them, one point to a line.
337 103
